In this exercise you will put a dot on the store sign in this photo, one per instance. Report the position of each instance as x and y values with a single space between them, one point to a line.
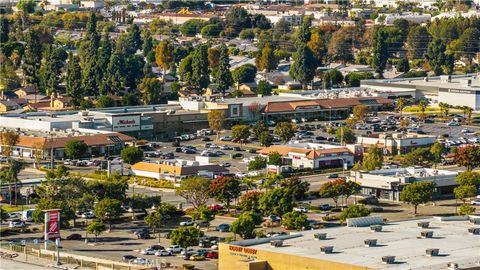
126 123
52 224
249 251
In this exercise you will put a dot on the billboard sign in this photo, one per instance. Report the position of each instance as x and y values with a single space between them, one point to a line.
126 123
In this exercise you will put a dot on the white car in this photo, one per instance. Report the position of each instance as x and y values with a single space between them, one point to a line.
453 124
214 247
16 224
241 175
163 253
88 215
148 251
186 223
466 130
189 250
174 249
300 209
226 138
12 215
475 202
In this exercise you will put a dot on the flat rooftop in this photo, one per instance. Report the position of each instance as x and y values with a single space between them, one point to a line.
400 239
412 171
445 81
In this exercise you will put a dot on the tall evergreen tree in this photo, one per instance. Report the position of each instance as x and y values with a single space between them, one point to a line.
4 29
266 59
73 80
51 69
32 58
222 74
200 73
303 68
134 39
103 60
134 71
380 51
91 44
437 57
147 44
114 78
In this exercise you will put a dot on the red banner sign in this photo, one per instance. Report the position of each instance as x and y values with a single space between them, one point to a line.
53 228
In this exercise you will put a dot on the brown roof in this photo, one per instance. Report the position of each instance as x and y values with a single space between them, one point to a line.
286 106
177 170
59 142
309 153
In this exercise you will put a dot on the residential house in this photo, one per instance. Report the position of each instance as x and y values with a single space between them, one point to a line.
7 105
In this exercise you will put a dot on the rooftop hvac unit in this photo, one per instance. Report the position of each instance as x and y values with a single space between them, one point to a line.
452 266
474 230
320 236
370 242
388 259
423 225
276 243
326 249
426 234
475 221
432 252
376 228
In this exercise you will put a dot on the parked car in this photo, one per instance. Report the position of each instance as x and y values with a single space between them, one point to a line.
186 223
370 200
274 218
212 255
453 124
174 249
226 147
189 250
226 138
475 202
467 130
223 228
215 207
300 209
332 175
148 251
143 235
325 207
225 164
163 253
74 236
128 258
197 258
12 215
89 214
17 223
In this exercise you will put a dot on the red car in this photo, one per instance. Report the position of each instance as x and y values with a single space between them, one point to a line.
215 207
212 255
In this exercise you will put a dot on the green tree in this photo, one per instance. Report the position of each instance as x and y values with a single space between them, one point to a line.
96 228
354 211
244 225
51 69
216 118
150 89
222 75
134 71
333 190
265 138
132 155
73 80
9 79
204 213
130 99
3 214
303 68
419 156
147 46
468 178
153 221
297 186
417 193
437 150
9 174
236 19
417 42
465 210
438 59
75 149
247 34
107 210
185 236
257 163
400 105
244 74
200 74
277 201
275 158
259 127
373 159
463 192
192 27
285 131
89 57
264 88
380 51
345 135
353 79
32 58
295 220
134 39
196 190
240 132
105 102
317 46
114 77
211 31
225 189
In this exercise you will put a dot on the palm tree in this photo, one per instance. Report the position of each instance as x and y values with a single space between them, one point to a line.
422 105
444 108
467 111
9 174
150 89
400 105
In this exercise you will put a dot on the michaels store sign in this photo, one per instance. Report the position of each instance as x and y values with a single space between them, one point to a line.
126 123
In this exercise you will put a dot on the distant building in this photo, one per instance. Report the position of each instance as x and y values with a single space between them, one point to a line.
389 19
312 155
388 183
456 90
7 105
397 143
175 169
92 4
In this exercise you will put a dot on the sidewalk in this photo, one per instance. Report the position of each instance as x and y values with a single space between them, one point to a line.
30 262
